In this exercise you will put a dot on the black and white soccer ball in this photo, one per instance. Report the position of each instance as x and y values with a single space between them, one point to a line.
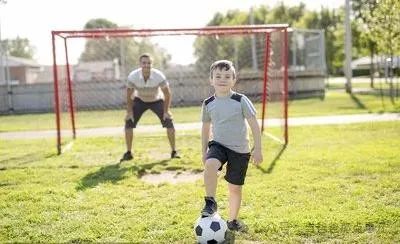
210 229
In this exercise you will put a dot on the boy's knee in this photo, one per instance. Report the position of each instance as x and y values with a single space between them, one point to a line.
212 164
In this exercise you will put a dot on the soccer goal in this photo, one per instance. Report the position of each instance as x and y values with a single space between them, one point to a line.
90 68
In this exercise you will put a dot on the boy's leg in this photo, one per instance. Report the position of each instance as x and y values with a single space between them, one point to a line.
235 199
210 176
235 175
210 181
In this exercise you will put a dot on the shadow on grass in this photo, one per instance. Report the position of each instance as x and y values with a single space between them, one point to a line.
229 237
358 102
26 158
114 173
273 162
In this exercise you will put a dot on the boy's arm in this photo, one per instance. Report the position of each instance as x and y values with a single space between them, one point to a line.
255 130
205 136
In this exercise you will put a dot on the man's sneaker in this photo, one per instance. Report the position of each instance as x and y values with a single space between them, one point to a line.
174 154
236 225
210 207
127 156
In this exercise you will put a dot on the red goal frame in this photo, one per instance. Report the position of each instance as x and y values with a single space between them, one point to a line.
209 30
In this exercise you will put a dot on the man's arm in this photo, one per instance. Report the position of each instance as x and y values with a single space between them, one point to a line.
255 130
205 136
129 103
167 101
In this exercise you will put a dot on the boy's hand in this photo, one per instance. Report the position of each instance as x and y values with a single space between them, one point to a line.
257 157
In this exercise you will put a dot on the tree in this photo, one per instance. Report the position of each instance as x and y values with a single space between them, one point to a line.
99 23
363 12
297 16
126 50
386 31
18 47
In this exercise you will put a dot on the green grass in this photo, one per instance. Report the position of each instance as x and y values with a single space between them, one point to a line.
333 103
324 187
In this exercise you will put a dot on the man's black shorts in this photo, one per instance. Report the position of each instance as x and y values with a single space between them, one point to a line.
237 162
139 107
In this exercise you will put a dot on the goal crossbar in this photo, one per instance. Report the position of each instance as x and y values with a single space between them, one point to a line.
209 30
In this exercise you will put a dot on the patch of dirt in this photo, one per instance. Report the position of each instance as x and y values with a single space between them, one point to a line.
172 177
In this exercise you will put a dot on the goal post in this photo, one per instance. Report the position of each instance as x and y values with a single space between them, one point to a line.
90 68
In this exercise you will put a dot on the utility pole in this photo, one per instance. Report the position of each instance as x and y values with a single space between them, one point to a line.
5 72
253 43
2 73
347 49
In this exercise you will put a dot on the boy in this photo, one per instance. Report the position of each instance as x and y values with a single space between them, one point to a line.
227 112
147 88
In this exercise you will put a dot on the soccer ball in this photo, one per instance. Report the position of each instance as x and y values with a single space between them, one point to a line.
210 229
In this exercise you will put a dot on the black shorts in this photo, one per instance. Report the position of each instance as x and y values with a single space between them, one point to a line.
237 162
139 107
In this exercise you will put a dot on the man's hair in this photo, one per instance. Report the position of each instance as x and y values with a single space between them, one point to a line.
145 55
223 65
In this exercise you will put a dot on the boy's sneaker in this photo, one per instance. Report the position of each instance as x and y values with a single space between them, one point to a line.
209 208
127 156
174 154
235 225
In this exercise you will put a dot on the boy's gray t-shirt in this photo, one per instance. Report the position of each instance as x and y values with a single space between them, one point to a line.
227 116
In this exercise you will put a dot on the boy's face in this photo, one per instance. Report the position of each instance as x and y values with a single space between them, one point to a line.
222 80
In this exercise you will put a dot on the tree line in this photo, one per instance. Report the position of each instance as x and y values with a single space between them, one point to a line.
374 24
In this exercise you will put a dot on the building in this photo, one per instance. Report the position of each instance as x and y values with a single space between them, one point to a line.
18 70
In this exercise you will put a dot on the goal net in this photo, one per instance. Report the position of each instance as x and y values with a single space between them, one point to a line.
91 66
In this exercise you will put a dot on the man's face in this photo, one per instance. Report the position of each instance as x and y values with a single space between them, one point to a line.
222 80
145 64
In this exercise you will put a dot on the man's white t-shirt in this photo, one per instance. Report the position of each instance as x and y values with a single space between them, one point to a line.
147 91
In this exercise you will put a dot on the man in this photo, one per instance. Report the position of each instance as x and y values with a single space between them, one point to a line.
147 88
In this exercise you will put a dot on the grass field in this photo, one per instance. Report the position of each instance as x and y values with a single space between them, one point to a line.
365 83
333 103
334 184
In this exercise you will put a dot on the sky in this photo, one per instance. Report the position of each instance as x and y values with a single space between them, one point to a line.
36 19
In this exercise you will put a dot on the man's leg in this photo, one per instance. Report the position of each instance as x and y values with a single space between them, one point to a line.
171 138
158 108
139 107
129 139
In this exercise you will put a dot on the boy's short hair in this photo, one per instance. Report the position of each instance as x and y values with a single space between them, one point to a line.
222 64
145 55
